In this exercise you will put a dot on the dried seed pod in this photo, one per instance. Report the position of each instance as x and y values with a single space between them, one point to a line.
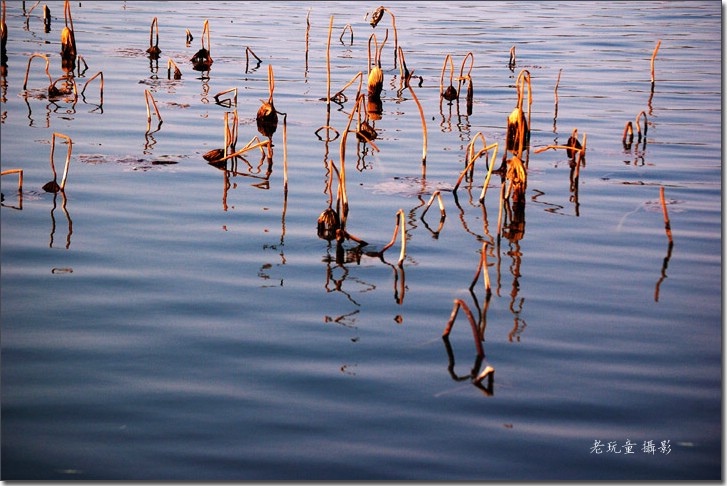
367 132
68 40
375 83
450 93
328 224
574 143
267 116
202 60
376 16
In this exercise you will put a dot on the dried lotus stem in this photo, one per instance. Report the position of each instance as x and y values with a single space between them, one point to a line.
653 57
229 102
472 157
153 49
147 97
557 82
511 63
248 51
573 146
98 74
52 186
47 66
489 171
449 93
638 125
482 266
350 29
468 76
328 62
177 73
400 224
628 132
54 91
376 17
337 97
252 144
431 200
421 114
667 224
376 75
68 40
450 323
20 176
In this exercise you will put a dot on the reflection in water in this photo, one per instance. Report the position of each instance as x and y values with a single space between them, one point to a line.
475 374
150 141
53 219
667 229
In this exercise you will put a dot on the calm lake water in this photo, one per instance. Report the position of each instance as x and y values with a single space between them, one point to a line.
164 318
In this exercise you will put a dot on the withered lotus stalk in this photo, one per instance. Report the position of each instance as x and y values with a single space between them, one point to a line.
202 60
20 176
68 39
376 16
47 69
3 36
267 116
449 93
328 224
376 75
53 186
154 49
518 127
574 146
177 73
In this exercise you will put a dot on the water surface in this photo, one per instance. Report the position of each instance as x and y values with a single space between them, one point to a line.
166 319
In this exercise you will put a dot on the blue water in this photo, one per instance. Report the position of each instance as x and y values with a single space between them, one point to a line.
166 319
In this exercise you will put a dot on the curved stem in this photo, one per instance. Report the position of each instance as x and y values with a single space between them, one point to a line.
47 66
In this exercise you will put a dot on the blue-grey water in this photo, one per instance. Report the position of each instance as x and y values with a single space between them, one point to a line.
163 318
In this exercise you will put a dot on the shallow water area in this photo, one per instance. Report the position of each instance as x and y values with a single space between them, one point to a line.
164 318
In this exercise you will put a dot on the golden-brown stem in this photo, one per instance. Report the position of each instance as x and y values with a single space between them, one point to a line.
431 200
462 76
47 66
628 131
68 158
328 61
20 176
638 124
350 29
653 57
151 33
667 224
98 74
147 97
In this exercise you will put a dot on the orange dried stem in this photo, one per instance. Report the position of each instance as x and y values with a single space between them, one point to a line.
47 66
667 224
431 200
148 96
98 74
653 57
68 158
151 33
20 176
